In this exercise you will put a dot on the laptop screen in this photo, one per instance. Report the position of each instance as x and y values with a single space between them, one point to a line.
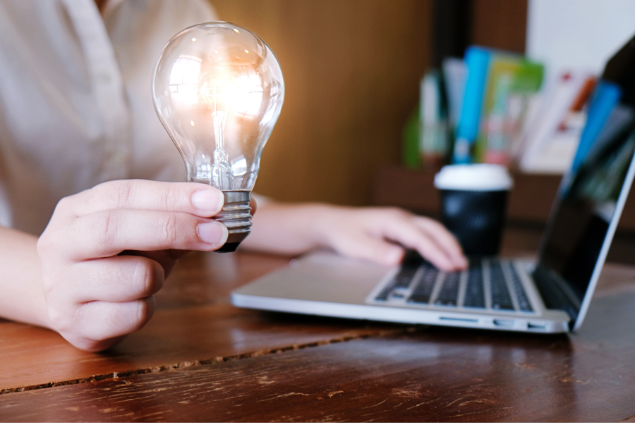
592 193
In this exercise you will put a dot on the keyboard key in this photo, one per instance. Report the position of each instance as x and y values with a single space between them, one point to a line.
405 275
424 286
449 290
383 295
521 296
474 292
501 299
400 282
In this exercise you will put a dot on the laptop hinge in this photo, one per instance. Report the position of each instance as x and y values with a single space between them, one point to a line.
555 292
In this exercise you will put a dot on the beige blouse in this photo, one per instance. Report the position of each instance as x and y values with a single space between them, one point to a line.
75 99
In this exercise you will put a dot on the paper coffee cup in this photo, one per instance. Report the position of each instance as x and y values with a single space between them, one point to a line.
473 205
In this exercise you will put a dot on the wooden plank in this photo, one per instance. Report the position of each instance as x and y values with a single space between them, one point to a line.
183 332
194 322
173 338
433 374
208 278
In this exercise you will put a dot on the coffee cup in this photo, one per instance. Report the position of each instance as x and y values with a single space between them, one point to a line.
473 205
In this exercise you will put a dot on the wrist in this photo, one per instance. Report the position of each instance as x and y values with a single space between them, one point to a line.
323 224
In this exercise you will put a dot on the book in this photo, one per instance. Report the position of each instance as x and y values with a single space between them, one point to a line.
512 81
454 74
433 130
498 90
477 63
551 136
410 154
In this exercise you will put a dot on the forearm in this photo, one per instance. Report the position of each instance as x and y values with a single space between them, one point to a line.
21 296
372 233
288 229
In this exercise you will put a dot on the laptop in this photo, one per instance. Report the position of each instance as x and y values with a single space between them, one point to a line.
549 296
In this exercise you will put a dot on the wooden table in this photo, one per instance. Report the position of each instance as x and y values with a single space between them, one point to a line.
202 359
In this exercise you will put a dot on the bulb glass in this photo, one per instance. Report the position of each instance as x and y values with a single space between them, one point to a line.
218 90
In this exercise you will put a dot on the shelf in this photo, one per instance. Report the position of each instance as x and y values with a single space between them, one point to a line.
529 201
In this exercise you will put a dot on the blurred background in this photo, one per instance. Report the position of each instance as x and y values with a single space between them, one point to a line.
352 70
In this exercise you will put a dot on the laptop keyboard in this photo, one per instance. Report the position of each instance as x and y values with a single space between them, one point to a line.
425 284
448 294
474 291
487 283
500 293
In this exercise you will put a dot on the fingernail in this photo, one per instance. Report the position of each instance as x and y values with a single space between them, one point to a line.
213 233
208 200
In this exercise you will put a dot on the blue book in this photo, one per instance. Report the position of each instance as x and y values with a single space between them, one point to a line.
477 62
605 97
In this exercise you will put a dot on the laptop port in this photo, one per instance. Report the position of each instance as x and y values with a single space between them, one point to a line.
458 319
533 325
503 323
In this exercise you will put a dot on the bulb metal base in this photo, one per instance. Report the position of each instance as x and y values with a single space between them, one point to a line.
236 216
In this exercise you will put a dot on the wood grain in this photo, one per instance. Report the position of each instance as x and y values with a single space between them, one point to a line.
352 71
214 362
433 374
173 338
194 323
208 278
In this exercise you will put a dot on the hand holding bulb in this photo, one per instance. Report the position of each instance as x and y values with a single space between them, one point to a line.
218 90
107 250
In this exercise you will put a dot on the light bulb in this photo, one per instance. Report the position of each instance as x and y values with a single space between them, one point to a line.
218 90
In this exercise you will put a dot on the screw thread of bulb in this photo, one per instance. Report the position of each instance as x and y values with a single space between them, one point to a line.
236 216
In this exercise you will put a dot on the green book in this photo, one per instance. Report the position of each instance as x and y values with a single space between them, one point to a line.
511 82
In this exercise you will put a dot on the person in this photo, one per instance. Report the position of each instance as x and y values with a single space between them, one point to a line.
91 220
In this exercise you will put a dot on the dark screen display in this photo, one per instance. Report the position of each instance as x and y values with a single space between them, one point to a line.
592 190
587 203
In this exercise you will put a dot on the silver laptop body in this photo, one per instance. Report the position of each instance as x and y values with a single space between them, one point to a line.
328 285
550 296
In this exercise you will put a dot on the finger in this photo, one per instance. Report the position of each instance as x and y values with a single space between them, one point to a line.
185 197
108 233
366 247
101 321
113 279
166 258
444 238
96 346
253 204
92 345
410 236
